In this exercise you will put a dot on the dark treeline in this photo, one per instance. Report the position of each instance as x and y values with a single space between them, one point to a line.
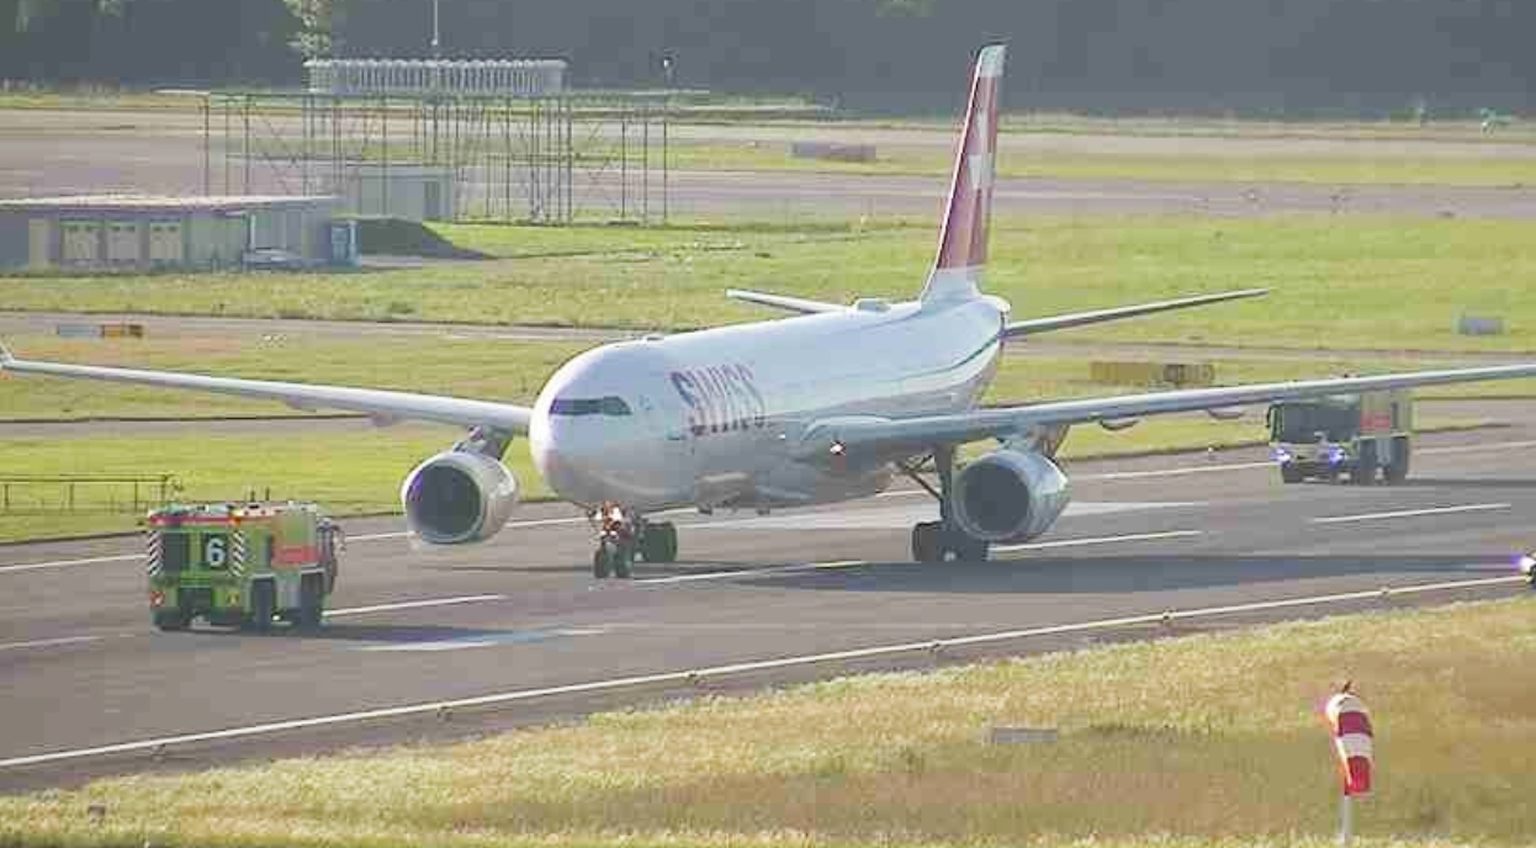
154 42
1211 56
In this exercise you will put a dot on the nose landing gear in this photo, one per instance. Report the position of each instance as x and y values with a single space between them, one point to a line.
623 535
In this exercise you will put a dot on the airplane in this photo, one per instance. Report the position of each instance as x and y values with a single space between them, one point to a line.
828 404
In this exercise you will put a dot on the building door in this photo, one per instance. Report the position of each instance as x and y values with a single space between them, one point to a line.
432 205
39 243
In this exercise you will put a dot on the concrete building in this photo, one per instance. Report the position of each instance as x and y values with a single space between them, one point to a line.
411 192
134 232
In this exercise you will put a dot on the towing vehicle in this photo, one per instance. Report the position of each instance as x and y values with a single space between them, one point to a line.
1353 434
241 564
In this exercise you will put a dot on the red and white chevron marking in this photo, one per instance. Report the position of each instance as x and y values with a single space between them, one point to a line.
1352 741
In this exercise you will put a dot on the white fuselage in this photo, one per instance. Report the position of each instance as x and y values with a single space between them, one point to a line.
709 418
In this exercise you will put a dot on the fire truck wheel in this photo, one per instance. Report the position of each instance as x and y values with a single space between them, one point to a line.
1396 470
263 605
1365 465
172 620
311 602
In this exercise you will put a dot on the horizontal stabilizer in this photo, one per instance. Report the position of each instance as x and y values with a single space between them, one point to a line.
780 301
1098 316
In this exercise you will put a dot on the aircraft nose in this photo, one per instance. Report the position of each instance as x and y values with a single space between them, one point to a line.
561 451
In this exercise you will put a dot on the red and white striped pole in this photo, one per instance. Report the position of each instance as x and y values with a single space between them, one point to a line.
1352 744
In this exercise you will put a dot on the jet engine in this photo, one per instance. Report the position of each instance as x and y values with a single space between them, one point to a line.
1009 495
457 497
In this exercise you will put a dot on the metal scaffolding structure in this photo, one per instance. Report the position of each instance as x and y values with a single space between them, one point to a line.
485 140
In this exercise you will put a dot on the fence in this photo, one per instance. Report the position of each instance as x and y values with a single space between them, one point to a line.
42 494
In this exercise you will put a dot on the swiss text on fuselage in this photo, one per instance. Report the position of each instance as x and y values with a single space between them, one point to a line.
720 398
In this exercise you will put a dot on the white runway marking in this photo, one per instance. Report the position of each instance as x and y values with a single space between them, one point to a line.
1410 513
48 643
66 563
486 640
752 572
904 516
686 676
404 605
1177 472
1101 540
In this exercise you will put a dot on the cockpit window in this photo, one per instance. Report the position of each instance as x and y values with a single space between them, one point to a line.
611 405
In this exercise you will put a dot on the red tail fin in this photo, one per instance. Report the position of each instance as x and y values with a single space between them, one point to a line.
963 239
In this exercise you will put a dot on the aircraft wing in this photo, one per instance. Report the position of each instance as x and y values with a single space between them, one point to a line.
877 436
384 406
1032 326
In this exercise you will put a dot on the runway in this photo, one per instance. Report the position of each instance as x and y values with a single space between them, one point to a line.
83 668
58 152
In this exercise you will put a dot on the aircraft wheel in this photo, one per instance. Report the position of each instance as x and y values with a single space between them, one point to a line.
926 539
967 549
623 559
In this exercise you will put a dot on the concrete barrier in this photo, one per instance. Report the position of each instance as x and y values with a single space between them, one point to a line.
99 331
1153 373
1472 325
832 150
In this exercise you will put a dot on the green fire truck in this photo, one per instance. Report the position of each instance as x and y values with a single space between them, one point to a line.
1357 435
240 564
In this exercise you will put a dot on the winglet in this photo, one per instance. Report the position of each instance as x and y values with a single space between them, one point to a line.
801 305
1033 326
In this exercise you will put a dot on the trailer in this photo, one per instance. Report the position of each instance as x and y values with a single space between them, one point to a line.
1358 436
241 564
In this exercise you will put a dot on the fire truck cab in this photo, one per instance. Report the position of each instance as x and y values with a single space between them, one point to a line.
240 564
1359 435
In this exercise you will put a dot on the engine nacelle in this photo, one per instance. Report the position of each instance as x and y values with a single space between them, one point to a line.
457 497
1009 496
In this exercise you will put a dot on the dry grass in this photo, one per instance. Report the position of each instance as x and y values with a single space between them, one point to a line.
1209 740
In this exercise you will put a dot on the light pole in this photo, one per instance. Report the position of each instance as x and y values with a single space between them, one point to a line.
437 52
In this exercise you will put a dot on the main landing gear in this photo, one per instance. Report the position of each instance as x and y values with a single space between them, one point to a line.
622 536
937 541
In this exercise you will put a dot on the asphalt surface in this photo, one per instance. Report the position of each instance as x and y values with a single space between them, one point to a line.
82 667
45 152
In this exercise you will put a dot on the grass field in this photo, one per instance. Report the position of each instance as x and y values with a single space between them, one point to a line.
1338 282
1210 740
1367 167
